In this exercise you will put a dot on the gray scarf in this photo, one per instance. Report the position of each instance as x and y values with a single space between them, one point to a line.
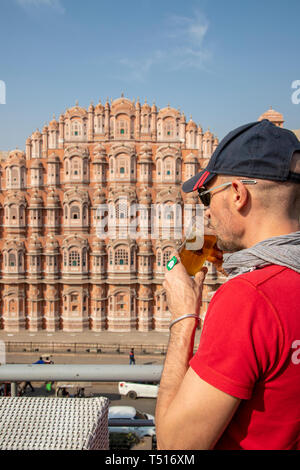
283 251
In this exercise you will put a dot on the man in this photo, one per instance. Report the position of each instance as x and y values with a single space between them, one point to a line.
241 389
131 357
40 361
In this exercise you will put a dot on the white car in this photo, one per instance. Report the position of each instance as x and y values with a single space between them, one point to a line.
115 413
136 390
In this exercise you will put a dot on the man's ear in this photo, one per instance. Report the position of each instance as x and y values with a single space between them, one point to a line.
240 194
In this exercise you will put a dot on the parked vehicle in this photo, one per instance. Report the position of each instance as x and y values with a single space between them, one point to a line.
138 390
72 389
115 413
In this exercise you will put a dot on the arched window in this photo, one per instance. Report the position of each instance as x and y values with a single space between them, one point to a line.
122 128
13 212
12 259
122 164
76 128
14 176
74 258
166 257
121 210
169 129
75 212
121 256
159 168
168 167
120 301
76 167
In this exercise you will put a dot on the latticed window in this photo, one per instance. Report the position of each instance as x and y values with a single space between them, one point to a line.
74 258
123 127
169 129
166 257
121 210
76 128
15 175
120 301
158 258
12 259
121 256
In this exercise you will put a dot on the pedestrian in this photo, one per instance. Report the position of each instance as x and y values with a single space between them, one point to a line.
40 361
131 357
27 384
48 385
241 388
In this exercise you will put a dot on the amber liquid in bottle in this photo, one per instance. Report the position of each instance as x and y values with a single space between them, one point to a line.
193 260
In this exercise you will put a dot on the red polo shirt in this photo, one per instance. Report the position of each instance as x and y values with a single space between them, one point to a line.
250 349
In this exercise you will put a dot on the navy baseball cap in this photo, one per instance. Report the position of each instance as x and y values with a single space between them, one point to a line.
255 150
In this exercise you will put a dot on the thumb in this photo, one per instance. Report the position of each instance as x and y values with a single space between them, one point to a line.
200 276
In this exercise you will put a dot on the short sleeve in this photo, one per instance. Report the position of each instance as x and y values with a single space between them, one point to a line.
240 341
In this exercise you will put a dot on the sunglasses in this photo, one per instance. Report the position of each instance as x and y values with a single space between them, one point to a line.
205 194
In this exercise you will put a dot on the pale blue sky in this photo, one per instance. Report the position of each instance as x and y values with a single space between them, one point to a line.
223 62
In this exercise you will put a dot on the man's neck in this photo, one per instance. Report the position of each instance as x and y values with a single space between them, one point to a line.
261 232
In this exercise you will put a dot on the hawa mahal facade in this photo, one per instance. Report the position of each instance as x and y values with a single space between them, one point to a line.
55 270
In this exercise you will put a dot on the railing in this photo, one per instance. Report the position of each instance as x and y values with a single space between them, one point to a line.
82 348
82 373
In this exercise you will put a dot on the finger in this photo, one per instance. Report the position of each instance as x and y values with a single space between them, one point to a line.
200 276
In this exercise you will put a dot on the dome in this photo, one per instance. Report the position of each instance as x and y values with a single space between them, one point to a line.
51 244
98 246
37 135
122 105
99 108
99 149
76 111
53 158
145 247
191 125
36 200
52 199
99 197
53 125
190 158
164 112
34 244
208 134
16 153
146 108
154 108
145 196
146 148
273 116
36 164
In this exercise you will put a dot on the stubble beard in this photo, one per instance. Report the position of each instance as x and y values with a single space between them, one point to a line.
228 246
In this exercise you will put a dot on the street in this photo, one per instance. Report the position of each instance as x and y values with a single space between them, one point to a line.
109 390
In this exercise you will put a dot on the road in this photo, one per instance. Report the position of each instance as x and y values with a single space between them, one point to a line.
109 390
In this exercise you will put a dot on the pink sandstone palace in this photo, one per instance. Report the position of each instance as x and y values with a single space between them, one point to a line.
56 272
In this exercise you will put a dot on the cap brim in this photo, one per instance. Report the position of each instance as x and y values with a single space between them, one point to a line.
197 181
